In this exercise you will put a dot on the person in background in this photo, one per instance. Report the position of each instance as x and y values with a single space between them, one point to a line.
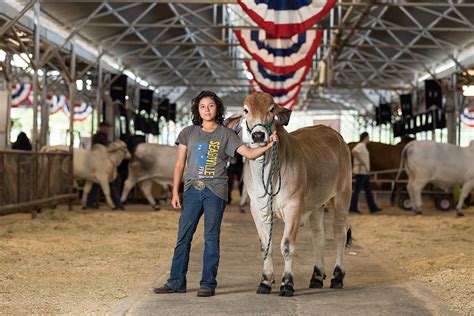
22 143
361 169
102 137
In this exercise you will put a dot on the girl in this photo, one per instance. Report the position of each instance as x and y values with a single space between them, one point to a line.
204 149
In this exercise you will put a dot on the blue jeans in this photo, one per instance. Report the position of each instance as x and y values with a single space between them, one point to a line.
362 182
92 197
195 204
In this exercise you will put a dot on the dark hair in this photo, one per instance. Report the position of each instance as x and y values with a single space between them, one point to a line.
22 142
363 136
197 120
104 124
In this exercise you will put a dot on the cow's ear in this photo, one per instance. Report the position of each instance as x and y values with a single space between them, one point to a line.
282 115
233 121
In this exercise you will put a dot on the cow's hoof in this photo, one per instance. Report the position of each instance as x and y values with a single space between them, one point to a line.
418 213
156 207
286 290
264 289
460 214
242 209
337 279
317 278
316 284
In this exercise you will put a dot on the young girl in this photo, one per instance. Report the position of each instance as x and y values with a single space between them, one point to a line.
204 149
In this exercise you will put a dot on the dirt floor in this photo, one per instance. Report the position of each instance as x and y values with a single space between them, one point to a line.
436 248
80 262
85 262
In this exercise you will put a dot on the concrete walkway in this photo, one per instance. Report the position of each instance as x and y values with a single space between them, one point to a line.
373 285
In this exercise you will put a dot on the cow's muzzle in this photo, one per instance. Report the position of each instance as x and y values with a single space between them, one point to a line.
258 137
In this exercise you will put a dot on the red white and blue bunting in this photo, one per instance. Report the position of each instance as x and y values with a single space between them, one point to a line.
280 55
282 99
286 18
21 94
81 111
274 83
467 116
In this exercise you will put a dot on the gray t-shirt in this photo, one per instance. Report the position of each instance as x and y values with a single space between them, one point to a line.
207 155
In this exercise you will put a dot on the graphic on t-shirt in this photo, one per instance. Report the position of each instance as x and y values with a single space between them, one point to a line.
205 157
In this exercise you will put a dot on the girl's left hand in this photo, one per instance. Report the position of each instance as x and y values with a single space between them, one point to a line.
273 137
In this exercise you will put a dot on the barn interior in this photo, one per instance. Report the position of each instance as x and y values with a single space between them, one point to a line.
391 68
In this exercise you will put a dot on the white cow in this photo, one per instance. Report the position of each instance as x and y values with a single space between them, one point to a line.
97 165
315 168
150 163
444 165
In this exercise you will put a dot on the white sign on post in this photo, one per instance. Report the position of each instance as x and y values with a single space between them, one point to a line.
4 118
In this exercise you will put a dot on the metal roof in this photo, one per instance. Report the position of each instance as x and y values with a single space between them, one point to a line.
189 43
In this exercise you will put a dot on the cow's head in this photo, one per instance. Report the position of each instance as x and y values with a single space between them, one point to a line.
119 145
258 118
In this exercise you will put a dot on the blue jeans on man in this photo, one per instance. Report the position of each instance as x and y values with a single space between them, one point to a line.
95 189
362 182
195 204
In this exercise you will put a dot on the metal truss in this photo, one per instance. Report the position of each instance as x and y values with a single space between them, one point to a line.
189 43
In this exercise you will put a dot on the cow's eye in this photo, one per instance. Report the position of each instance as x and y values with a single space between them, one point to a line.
246 111
271 110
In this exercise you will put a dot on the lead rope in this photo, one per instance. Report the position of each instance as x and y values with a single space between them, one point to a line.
275 165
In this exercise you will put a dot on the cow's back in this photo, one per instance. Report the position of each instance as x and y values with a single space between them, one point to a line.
154 161
442 164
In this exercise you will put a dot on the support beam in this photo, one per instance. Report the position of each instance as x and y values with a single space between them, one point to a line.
7 26
36 56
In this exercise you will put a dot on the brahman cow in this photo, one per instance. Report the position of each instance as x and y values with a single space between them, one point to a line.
99 165
150 163
444 165
314 169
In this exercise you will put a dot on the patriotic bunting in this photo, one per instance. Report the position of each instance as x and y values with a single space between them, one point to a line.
286 18
21 94
467 116
274 83
282 99
280 55
81 111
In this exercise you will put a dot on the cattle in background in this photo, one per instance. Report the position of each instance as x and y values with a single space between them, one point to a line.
97 165
150 163
315 168
444 165
385 157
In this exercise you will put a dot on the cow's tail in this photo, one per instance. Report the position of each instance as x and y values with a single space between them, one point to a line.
394 186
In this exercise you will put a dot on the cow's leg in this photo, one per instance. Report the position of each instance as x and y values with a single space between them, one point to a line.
127 187
145 186
341 205
104 184
263 230
316 220
85 192
288 242
414 190
466 188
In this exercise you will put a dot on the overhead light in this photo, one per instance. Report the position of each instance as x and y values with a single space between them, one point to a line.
468 91
3 55
79 85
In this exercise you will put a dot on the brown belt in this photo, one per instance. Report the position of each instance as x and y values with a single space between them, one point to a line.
199 185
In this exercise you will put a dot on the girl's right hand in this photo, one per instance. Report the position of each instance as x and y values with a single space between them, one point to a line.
175 201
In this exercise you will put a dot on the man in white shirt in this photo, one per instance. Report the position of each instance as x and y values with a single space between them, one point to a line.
361 169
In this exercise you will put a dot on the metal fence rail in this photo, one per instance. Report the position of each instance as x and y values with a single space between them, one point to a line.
30 180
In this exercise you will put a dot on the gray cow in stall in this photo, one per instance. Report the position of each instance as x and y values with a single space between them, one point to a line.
315 169
150 163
